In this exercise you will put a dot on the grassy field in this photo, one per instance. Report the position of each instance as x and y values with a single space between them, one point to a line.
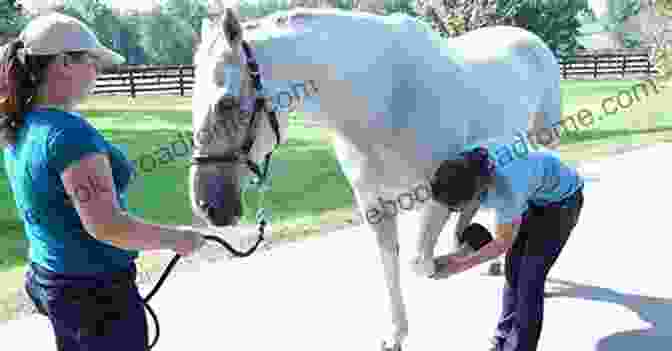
309 189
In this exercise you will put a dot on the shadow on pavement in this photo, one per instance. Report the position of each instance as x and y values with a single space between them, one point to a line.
653 310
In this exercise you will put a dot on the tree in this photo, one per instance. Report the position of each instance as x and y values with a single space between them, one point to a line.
656 35
456 17
97 14
12 19
190 11
555 21
403 6
262 8
167 40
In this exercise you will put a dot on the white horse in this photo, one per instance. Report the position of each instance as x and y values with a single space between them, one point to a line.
399 99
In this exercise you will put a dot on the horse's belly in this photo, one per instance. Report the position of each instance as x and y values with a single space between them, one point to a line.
396 160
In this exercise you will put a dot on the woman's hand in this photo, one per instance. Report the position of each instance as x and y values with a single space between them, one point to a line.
191 241
448 265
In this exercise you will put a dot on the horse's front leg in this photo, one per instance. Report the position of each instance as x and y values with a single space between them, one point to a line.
387 237
433 218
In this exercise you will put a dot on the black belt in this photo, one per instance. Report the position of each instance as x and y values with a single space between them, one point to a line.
569 201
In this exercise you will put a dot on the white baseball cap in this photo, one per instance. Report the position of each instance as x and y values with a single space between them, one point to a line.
56 33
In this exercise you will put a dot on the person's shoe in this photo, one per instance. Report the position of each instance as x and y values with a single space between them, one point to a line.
496 343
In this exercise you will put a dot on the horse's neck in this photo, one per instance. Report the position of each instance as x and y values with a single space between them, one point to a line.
363 52
318 45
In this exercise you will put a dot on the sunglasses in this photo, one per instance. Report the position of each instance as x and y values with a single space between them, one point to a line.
85 57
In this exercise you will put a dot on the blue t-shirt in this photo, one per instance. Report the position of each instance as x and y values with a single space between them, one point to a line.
50 142
536 177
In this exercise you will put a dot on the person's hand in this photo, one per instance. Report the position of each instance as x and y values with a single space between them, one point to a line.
448 265
423 267
191 241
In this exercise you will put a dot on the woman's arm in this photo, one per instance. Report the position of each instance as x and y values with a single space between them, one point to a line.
505 234
90 185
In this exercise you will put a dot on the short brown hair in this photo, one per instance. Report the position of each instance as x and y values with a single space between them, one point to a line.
458 181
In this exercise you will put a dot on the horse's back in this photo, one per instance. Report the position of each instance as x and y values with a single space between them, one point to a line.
496 44
481 85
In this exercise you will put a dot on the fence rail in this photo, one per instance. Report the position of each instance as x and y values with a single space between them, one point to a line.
179 79
609 63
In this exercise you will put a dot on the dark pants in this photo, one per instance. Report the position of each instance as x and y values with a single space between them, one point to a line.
541 238
101 313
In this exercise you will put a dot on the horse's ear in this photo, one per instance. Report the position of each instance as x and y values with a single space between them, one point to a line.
232 27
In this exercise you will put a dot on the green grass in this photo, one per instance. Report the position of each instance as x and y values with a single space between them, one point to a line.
308 187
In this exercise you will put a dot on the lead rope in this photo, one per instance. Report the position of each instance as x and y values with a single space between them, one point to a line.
262 218
261 181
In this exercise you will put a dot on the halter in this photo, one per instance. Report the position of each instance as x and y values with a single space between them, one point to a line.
241 155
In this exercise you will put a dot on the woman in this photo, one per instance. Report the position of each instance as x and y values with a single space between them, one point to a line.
68 183
537 200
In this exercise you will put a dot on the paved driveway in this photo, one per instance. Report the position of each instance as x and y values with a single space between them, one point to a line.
612 285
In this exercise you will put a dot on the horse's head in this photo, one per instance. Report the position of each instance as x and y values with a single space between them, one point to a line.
234 126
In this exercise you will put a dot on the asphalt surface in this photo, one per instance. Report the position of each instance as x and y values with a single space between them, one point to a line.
609 290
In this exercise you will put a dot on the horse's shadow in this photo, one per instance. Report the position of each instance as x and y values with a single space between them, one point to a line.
653 310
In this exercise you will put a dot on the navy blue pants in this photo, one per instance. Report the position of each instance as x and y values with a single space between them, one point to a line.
541 238
103 312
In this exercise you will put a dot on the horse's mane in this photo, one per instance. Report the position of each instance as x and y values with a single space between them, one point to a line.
250 25
257 24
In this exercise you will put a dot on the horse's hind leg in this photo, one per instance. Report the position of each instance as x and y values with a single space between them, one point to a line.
545 123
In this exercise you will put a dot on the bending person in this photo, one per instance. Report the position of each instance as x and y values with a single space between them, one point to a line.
537 200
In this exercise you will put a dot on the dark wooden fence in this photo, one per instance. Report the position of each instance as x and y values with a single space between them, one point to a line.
607 64
136 80
146 79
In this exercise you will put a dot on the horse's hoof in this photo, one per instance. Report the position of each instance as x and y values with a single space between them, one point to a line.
495 269
396 347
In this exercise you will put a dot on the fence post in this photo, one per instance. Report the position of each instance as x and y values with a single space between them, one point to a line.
563 66
595 62
648 68
623 66
130 78
181 81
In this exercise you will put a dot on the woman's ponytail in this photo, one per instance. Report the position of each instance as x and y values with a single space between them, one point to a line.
20 76
10 69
